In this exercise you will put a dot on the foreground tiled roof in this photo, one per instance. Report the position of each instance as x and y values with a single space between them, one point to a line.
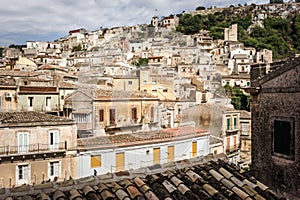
30 117
198 178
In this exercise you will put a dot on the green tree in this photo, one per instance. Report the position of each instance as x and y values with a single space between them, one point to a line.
200 8
189 24
258 32
239 100
242 34
20 47
217 32
276 1
141 62
244 21
77 48
281 35
296 31
1 50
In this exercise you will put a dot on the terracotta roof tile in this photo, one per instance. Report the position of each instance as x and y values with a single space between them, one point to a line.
26 117
210 179
13 73
142 138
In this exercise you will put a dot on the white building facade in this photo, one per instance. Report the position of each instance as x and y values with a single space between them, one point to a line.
122 156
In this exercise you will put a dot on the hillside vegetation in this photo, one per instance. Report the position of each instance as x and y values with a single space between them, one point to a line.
277 34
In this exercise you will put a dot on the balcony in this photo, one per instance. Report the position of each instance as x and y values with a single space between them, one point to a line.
233 148
32 151
232 130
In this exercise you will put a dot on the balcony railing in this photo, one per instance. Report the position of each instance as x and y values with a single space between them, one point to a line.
32 148
231 130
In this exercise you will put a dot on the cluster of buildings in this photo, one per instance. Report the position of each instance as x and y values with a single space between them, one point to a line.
90 79
82 105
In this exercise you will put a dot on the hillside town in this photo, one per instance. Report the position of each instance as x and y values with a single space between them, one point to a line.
95 106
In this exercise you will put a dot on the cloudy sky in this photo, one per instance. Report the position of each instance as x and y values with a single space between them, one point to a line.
47 20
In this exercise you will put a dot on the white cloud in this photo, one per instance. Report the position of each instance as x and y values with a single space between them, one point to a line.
45 17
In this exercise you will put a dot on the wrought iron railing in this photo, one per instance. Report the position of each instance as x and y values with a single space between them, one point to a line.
32 148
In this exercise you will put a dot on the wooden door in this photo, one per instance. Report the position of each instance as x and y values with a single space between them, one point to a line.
120 161
194 149
156 155
170 153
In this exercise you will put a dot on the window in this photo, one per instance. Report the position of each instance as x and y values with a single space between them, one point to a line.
23 174
112 70
245 128
283 138
54 169
151 113
129 82
228 123
54 140
165 90
235 122
228 144
95 161
23 142
243 69
82 118
48 102
112 116
134 115
235 141
30 103
101 115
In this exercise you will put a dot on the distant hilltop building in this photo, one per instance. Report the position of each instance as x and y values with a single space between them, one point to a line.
81 30
167 22
230 34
